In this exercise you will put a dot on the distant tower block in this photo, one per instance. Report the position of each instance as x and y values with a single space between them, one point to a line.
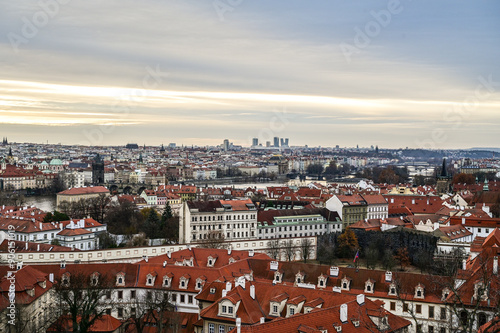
255 142
276 141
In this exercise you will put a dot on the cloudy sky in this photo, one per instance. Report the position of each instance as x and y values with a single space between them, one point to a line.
388 73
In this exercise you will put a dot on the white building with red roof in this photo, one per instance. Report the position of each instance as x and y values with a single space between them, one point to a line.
78 193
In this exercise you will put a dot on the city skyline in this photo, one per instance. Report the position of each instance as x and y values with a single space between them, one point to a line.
392 73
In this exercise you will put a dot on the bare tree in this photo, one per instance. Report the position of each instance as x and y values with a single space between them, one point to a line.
154 309
274 249
289 249
83 298
306 247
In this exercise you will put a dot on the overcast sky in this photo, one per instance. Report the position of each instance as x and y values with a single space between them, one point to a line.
387 73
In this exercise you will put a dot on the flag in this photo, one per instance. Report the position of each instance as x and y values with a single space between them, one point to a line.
356 256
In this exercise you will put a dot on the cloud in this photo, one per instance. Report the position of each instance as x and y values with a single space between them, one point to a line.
88 67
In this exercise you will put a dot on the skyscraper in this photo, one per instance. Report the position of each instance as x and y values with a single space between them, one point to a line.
255 142
276 141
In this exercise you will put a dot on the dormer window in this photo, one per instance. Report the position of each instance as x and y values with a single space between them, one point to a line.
167 281
65 280
150 279
446 293
392 289
183 282
94 279
321 281
278 277
226 308
480 290
345 283
199 283
299 277
369 286
120 280
419 291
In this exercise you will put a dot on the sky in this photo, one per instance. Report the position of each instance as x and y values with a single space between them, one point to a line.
397 73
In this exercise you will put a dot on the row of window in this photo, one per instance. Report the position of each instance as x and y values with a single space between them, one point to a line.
214 227
221 217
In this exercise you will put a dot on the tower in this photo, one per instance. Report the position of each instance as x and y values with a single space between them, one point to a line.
443 180
98 170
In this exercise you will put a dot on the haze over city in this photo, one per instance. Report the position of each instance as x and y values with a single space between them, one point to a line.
393 74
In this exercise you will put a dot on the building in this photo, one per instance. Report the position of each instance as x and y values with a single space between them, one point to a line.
276 141
351 208
377 206
34 299
81 193
224 219
291 223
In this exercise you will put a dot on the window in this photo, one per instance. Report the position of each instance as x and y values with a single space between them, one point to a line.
405 307
442 330
120 294
211 328
174 298
418 308
132 294
108 294
443 313
275 309
430 329
222 328
393 306
120 312
224 309
108 311
431 311
419 328
183 298
230 309
292 311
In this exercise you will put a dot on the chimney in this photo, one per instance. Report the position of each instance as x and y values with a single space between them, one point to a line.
463 220
63 264
343 313
229 286
262 320
19 265
224 292
229 250
360 299
251 253
26 245
388 276
169 255
238 325
274 265
51 277
495 265
412 201
334 271
252 291
464 264
38 248
164 263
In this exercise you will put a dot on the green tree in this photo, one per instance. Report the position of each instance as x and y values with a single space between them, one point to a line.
152 224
